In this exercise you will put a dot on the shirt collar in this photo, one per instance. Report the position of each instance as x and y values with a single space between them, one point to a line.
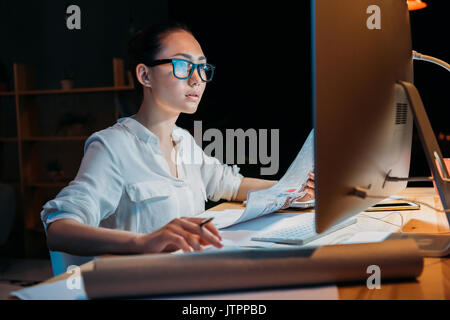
145 134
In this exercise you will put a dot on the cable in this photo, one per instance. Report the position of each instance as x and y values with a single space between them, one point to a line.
381 219
362 193
422 57
402 224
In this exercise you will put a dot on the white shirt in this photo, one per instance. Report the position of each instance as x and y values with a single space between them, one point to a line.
124 181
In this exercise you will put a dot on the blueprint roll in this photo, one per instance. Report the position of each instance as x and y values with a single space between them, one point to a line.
158 275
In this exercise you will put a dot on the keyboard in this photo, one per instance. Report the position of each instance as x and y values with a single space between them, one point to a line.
299 234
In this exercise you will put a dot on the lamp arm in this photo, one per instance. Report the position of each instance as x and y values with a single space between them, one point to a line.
419 56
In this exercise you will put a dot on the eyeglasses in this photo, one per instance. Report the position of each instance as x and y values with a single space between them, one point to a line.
183 69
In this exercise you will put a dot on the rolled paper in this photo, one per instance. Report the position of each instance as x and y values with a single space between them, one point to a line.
153 275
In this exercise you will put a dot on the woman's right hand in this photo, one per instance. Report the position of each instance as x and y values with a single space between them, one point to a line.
181 233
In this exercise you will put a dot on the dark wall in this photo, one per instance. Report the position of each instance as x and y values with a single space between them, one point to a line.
429 28
262 80
35 33
258 48
262 56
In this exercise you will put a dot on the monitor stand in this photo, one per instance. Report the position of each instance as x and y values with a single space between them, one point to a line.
429 144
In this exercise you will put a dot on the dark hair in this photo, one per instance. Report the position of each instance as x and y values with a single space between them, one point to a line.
145 44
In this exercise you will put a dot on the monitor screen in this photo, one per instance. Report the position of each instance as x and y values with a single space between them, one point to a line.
363 125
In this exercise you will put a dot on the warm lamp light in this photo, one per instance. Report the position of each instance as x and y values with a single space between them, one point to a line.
415 5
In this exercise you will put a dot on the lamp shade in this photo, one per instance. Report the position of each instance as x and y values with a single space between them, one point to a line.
415 4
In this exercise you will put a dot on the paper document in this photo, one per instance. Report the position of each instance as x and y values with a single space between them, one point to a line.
58 291
368 237
261 202
329 292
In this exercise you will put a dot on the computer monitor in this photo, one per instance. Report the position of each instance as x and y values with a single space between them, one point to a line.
363 125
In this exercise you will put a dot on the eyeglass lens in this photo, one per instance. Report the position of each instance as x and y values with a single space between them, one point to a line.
182 69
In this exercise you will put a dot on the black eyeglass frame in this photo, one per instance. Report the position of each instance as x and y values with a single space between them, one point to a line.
194 66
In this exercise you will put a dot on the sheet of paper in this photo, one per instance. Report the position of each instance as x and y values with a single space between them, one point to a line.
58 290
262 202
291 185
309 293
224 218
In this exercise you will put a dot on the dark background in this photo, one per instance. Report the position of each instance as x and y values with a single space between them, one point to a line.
263 77
261 51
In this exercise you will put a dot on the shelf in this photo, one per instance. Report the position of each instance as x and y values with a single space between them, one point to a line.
8 139
23 134
76 90
54 138
11 182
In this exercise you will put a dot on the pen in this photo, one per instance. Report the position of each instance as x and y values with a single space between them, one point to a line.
205 222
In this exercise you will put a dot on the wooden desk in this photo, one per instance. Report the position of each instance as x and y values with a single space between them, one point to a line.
433 283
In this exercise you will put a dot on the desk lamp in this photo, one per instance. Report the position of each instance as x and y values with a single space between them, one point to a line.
430 145
415 5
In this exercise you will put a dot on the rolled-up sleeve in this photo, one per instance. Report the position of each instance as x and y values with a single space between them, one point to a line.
221 181
95 192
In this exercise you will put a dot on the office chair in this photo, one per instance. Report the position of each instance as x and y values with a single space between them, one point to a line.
61 261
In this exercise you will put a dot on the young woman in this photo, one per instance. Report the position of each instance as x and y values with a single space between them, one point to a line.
142 181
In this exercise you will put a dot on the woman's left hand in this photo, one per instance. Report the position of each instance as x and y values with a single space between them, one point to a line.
310 186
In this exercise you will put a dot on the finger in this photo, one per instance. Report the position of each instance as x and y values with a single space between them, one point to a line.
193 242
312 175
210 226
213 230
310 184
200 240
204 242
307 197
176 239
309 191
203 232
194 219
208 236
170 248
189 237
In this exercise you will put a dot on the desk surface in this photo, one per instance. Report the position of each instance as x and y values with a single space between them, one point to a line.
433 283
